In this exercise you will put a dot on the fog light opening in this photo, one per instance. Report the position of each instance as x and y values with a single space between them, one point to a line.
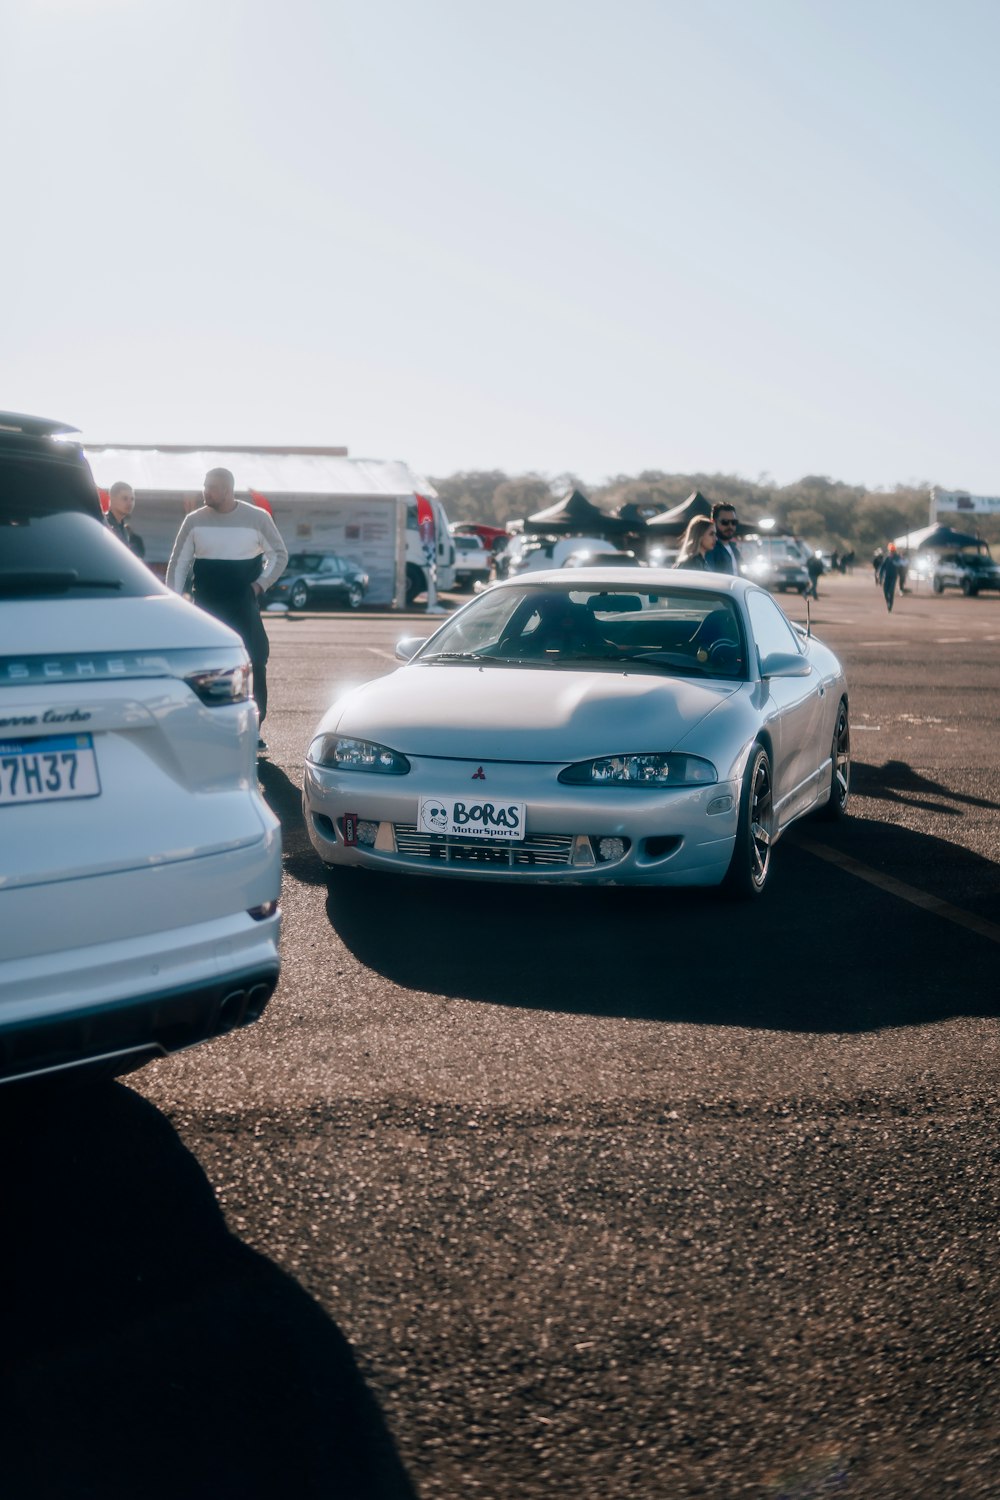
661 844
609 849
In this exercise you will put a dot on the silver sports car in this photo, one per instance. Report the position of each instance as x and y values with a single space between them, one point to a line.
658 728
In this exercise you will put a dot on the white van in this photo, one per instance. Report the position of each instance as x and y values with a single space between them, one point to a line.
417 561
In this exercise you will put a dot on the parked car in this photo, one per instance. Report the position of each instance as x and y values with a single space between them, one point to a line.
529 554
777 563
969 571
140 867
607 557
493 538
472 562
312 579
570 727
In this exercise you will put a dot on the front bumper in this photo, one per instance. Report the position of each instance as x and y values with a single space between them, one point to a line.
670 837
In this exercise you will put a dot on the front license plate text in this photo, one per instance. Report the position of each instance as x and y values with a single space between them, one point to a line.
472 818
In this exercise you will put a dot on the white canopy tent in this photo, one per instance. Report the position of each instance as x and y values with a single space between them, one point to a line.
321 500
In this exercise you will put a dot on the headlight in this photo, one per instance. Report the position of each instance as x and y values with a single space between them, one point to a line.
217 685
641 770
344 753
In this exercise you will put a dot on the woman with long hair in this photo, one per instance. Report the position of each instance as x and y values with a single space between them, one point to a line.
698 541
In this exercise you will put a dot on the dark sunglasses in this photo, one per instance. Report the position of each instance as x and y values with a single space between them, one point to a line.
733 522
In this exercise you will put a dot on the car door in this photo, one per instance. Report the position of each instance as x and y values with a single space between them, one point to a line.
795 711
331 579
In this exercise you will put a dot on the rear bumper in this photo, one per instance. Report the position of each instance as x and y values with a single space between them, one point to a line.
145 960
124 1035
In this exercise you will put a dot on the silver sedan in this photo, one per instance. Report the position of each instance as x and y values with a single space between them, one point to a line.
663 728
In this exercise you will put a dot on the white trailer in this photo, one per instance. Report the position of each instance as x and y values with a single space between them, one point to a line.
321 500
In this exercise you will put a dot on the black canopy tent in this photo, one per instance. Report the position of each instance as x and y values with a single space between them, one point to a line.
675 522
936 537
576 516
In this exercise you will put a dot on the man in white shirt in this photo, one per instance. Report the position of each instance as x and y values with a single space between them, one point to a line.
233 552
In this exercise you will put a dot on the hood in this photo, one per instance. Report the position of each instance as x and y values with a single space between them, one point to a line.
523 713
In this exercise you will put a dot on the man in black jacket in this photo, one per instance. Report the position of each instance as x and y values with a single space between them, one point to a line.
725 555
121 503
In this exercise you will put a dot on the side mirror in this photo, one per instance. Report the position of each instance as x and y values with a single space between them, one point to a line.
407 648
784 664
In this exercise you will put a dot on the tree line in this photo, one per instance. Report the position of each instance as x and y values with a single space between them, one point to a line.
828 512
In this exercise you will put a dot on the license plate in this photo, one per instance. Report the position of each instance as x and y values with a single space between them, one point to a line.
472 817
57 769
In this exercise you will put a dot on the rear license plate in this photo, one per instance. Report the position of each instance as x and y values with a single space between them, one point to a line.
57 769
472 818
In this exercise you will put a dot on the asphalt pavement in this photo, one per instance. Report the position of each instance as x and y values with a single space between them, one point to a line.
523 1194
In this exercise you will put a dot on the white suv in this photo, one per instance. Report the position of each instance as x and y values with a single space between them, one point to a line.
139 866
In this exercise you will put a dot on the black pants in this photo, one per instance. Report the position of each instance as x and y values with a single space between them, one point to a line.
243 616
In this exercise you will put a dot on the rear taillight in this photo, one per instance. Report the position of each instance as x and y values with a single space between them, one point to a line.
220 685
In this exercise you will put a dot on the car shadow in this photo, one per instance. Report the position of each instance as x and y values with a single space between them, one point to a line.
896 781
284 798
822 951
145 1349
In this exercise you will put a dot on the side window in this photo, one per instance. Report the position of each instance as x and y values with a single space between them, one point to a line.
771 631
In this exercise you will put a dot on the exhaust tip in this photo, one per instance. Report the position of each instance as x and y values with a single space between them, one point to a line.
232 1010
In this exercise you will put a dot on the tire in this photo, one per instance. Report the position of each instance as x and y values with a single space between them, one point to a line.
835 807
751 862
967 588
938 585
298 597
355 594
416 583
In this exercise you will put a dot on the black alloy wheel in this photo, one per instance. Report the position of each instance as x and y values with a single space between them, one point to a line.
938 584
751 863
835 807
298 597
968 587
355 594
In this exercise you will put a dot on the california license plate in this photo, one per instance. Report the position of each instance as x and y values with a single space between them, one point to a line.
472 817
57 769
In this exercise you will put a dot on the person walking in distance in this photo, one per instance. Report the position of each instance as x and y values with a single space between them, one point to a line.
724 557
814 567
888 575
233 552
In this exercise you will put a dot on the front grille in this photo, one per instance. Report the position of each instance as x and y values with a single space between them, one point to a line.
535 852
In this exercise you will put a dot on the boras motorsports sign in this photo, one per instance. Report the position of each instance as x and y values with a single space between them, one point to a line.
473 817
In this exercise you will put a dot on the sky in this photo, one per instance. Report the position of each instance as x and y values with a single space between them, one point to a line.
753 237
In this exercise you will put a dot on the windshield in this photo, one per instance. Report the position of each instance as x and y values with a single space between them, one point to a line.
677 631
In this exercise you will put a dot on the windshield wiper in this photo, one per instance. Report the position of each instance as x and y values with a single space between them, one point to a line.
46 580
456 656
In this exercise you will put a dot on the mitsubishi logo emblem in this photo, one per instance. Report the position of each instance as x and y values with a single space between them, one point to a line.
479 775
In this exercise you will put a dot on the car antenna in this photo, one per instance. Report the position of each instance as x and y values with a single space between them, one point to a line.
809 623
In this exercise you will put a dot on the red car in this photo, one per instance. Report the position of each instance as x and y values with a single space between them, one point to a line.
490 536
